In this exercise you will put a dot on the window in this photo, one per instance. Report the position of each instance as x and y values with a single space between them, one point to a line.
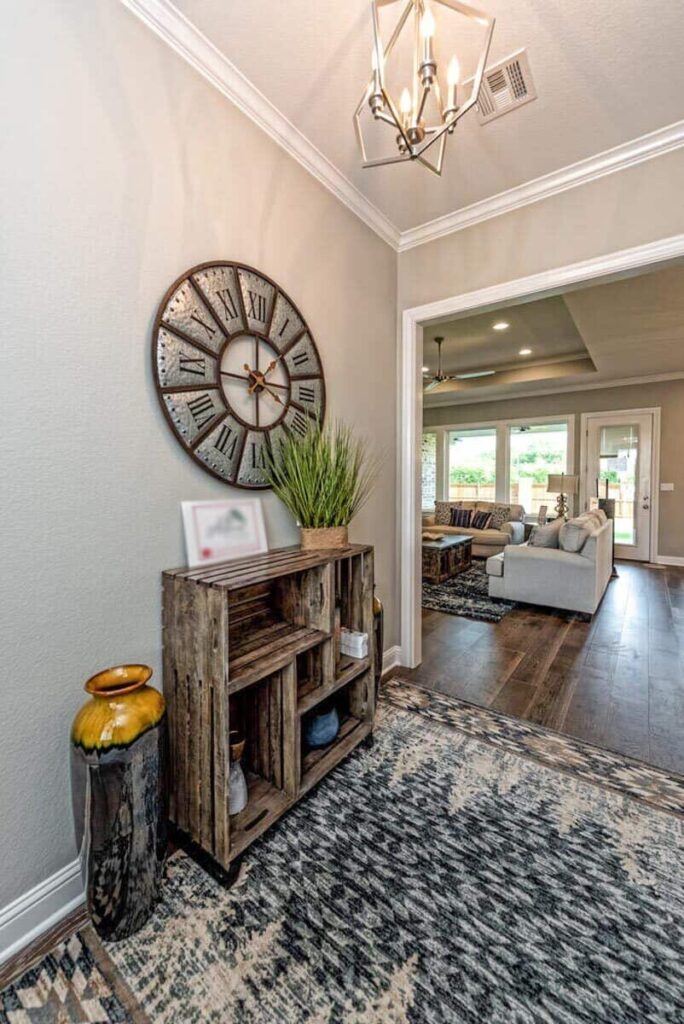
536 451
472 464
428 471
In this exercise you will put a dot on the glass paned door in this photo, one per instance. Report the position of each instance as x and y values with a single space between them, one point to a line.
619 467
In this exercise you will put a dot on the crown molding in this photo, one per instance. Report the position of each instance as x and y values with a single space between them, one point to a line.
193 46
646 147
596 385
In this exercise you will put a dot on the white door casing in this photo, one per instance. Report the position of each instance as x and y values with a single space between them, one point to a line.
410 401
637 513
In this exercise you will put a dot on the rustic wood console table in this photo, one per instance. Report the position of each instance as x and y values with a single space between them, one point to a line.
253 646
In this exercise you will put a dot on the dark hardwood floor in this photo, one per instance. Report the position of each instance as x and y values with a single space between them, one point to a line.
617 681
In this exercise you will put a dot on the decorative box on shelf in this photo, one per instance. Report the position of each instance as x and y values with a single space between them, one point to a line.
250 647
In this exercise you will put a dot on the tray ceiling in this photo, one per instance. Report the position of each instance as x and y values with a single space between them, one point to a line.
606 74
629 328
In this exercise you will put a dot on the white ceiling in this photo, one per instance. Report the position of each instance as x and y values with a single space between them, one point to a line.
630 328
606 73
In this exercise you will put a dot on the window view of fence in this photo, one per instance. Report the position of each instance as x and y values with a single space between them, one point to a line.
472 464
535 452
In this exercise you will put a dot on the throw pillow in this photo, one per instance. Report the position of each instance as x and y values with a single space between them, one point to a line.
460 517
481 520
576 532
500 514
546 536
443 513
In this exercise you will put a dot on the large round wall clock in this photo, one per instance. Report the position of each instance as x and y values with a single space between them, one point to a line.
236 369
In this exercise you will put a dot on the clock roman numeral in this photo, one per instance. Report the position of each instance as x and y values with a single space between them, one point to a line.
298 423
307 394
257 307
211 331
189 364
258 456
223 442
228 304
280 332
300 358
201 410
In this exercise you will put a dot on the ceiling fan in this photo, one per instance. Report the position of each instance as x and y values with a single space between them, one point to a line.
442 378
439 377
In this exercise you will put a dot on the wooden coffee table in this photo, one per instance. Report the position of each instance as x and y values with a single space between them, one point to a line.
447 557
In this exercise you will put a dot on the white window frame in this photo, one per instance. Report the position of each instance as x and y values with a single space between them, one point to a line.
503 448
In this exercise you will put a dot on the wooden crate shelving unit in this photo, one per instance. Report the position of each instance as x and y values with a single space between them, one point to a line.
253 645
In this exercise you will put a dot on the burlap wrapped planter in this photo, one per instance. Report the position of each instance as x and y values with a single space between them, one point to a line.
316 539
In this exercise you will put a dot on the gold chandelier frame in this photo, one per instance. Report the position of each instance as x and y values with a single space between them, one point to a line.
411 147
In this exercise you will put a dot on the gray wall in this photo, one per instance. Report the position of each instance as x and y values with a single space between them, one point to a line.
636 206
667 395
121 169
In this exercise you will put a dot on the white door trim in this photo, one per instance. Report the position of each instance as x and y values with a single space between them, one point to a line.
655 465
410 403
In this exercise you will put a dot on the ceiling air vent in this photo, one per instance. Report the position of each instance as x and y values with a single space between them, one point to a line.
505 86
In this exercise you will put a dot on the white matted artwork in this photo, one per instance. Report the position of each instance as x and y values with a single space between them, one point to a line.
216 531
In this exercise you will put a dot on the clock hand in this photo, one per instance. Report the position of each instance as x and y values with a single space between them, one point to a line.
272 394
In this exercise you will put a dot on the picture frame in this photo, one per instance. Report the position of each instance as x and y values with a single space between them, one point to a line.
218 531
541 517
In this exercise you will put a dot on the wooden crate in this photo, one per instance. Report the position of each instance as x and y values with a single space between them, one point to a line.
252 645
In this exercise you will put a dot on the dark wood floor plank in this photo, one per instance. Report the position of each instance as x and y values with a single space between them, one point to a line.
617 680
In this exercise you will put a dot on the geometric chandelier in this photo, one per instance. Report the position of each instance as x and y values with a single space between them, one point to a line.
425 112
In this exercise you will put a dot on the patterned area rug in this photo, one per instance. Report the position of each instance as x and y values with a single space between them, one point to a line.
468 867
466 595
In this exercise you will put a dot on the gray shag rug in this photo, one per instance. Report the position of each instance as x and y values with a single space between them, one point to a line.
468 867
466 595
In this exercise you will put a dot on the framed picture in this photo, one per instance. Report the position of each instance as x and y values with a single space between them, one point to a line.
541 518
216 531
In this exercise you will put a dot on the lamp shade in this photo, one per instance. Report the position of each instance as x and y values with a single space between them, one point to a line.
562 483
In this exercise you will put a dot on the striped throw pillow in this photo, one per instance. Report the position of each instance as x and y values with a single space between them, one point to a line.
460 517
481 520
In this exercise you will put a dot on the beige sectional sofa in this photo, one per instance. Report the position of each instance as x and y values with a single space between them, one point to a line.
572 576
485 542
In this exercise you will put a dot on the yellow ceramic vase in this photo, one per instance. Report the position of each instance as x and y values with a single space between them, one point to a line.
121 708
118 789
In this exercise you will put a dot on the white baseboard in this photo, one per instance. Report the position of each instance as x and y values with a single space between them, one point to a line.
391 658
39 909
669 560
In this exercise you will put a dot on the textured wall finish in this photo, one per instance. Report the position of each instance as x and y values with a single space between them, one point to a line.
126 168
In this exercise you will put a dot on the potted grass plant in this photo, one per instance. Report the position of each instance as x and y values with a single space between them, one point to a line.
323 477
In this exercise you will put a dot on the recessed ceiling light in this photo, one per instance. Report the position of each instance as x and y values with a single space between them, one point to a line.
426 369
525 352
501 325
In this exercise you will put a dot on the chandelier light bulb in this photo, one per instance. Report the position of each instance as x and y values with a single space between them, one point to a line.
453 72
405 103
427 24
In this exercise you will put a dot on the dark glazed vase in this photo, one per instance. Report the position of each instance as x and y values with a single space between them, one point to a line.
379 631
118 792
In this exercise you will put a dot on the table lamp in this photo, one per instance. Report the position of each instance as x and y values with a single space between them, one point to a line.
563 485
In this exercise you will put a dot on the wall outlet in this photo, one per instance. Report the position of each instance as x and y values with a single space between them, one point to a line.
667 487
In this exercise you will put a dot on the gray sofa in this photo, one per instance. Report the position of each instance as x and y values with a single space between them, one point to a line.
572 580
485 542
